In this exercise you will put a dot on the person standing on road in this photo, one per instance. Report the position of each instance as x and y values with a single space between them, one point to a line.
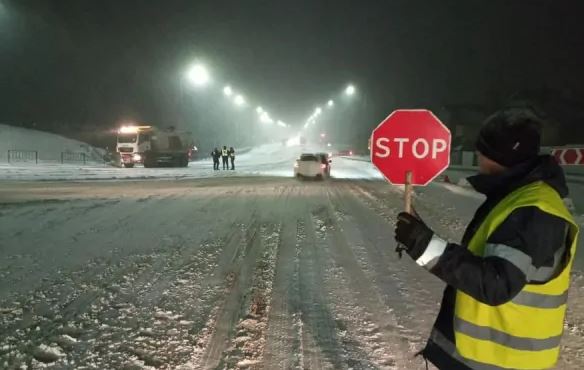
215 156
232 157
507 282
225 157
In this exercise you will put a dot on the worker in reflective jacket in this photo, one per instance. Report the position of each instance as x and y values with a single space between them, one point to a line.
225 157
507 281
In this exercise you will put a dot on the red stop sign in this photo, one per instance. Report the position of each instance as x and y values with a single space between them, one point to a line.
411 140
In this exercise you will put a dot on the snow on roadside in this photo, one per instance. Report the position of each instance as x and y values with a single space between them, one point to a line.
48 145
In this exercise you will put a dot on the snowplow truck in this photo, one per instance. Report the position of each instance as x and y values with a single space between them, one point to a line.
154 147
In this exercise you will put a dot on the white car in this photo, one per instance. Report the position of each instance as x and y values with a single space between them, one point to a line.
311 165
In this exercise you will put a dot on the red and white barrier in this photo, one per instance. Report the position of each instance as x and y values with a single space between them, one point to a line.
569 156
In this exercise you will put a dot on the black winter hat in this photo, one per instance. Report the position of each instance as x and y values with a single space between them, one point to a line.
510 136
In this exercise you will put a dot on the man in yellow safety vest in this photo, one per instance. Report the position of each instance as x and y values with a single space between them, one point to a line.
507 281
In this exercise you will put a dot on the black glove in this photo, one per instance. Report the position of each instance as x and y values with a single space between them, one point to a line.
413 234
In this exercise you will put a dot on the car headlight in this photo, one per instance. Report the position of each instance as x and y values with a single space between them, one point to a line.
137 157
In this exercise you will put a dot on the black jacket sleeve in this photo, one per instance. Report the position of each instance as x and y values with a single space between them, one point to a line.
494 280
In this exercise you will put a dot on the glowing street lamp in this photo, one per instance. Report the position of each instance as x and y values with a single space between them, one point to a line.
330 103
318 111
239 100
198 75
228 91
260 110
265 118
350 90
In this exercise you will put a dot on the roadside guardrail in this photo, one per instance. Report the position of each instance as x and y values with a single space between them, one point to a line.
23 156
73 157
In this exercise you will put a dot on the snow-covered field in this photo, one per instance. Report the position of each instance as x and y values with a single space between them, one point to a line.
48 146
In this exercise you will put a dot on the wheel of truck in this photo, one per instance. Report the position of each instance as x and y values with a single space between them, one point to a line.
128 165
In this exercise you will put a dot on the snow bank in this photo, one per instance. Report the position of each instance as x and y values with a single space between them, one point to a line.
49 146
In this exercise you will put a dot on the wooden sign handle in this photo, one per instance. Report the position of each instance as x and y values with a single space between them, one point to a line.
408 192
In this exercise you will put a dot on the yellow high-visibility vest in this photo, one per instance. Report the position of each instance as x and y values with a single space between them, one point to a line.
525 332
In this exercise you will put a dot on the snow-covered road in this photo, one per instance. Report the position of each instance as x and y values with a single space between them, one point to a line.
256 272
220 269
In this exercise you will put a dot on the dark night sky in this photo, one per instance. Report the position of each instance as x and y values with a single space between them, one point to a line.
99 61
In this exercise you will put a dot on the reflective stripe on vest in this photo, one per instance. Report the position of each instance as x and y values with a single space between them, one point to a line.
504 339
524 263
447 346
525 332
224 152
540 300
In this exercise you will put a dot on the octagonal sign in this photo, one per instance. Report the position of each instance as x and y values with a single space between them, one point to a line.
411 140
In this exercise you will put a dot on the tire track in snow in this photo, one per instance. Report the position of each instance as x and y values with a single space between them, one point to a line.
239 280
247 345
285 346
281 336
369 324
312 320
321 345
